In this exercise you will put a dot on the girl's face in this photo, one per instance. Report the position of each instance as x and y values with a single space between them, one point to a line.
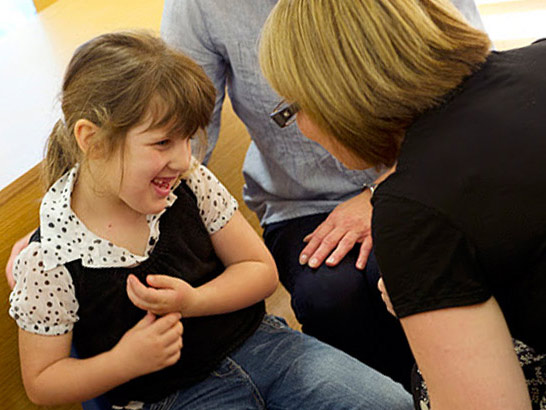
312 131
153 161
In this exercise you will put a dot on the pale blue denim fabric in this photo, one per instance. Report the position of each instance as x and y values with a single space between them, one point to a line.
278 368
286 175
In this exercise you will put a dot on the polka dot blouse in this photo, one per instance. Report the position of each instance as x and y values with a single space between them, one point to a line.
43 300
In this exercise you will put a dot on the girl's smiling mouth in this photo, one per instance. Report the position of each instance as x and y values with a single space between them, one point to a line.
163 186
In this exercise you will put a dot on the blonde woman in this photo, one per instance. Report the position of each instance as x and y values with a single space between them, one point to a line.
459 228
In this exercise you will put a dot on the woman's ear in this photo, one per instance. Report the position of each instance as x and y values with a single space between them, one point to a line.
85 132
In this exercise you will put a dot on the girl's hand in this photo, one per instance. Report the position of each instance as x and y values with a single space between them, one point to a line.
164 294
151 345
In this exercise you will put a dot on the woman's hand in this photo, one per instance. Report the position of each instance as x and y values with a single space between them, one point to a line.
151 345
165 294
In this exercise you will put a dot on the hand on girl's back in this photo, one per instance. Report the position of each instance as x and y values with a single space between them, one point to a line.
151 345
165 294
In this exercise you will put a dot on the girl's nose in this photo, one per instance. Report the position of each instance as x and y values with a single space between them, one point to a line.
181 155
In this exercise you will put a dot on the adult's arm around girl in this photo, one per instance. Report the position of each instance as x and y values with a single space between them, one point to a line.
15 250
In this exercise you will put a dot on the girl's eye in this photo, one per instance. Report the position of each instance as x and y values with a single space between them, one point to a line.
162 142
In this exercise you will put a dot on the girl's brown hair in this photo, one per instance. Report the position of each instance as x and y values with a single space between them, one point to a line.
113 81
363 69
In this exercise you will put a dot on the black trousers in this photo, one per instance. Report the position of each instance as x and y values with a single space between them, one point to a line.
340 305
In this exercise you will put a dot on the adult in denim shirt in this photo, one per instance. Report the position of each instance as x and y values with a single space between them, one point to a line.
298 190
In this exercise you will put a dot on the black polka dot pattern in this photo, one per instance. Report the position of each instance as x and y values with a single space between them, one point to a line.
43 300
216 204
65 238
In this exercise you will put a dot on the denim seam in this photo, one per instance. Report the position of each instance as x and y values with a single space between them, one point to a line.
166 403
255 391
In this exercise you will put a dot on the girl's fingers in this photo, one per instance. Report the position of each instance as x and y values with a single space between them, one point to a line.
141 293
161 281
146 321
165 323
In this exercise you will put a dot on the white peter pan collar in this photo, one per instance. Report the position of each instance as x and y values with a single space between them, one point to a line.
65 238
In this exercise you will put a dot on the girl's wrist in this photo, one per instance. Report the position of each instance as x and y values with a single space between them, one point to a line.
193 303
122 367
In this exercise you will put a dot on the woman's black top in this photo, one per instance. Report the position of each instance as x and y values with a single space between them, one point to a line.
463 218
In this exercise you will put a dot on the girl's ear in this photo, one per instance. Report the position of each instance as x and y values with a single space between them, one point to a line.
85 132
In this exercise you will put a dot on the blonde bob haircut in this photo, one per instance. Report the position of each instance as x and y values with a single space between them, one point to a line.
362 70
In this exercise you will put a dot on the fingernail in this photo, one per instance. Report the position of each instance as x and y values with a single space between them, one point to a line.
303 259
313 262
330 260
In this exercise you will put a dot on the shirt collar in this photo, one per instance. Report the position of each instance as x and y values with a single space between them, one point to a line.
64 237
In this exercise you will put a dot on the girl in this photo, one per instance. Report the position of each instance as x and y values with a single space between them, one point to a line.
138 244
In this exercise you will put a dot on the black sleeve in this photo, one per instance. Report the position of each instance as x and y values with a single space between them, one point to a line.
426 262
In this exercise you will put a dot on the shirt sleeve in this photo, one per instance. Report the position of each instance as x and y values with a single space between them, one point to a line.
184 26
427 263
42 301
216 205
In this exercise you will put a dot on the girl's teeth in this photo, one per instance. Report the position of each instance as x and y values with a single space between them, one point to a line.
160 183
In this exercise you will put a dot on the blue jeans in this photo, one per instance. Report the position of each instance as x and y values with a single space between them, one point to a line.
280 368
341 305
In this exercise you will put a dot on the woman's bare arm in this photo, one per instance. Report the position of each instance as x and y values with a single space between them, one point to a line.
467 358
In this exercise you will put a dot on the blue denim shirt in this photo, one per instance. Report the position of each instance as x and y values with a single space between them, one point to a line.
286 175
